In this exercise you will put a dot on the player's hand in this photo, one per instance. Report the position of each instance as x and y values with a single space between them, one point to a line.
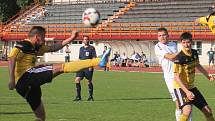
11 85
190 95
197 21
74 33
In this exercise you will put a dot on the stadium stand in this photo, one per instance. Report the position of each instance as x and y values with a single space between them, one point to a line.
165 11
120 21
174 11
68 14
120 18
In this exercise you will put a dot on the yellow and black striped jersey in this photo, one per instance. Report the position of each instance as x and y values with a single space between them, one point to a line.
185 65
26 55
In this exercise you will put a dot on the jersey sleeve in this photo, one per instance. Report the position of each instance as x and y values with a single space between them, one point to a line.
17 53
160 52
175 48
80 53
94 52
203 20
43 49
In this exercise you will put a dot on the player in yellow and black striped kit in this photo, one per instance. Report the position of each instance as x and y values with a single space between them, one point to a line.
27 78
184 70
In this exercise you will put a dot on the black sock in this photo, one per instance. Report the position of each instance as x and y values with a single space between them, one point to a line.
90 88
78 89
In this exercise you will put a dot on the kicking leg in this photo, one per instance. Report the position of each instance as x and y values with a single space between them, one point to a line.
76 66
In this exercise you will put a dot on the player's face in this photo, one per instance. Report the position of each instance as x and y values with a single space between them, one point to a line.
40 39
86 41
187 44
163 37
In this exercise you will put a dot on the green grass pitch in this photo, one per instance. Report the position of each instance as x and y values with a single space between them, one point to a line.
119 96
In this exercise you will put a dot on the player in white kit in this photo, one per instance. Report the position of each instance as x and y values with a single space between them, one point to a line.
166 52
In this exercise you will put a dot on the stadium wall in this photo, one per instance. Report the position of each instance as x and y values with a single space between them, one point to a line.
126 46
59 56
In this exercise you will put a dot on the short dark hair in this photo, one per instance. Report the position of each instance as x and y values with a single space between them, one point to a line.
186 36
162 29
36 30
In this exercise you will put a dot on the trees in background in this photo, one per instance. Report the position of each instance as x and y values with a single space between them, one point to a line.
24 3
8 8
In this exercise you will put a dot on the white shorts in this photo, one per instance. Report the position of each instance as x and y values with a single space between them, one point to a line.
169 83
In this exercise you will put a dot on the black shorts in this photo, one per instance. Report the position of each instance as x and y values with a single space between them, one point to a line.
28 86
88 74
211 59
199 100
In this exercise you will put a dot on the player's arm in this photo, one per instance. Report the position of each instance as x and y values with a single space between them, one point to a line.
93 55
204 72
14 55
11 67
161 53
94 52
188 93
171 56
202 20
57 46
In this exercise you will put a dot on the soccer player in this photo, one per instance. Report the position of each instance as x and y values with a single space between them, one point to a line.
27 78
208 21
86 52
166 52
184 71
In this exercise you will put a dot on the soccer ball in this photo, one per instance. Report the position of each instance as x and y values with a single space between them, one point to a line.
90 17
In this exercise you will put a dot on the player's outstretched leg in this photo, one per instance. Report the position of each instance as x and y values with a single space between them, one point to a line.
75 66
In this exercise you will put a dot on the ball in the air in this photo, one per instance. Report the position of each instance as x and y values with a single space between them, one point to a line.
90 17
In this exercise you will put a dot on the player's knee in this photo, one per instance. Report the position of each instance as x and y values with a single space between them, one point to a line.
187 110
207 111
77 80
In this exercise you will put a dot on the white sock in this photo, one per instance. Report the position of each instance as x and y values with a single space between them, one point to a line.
177 114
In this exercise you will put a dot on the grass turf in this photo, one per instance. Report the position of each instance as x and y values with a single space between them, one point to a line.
119 96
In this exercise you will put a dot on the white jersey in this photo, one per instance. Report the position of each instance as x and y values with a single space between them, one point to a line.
167 65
